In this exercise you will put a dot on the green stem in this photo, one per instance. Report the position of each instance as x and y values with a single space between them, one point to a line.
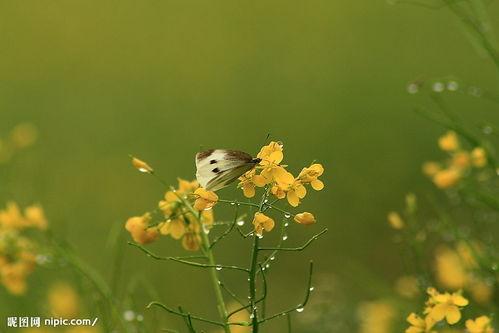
222 309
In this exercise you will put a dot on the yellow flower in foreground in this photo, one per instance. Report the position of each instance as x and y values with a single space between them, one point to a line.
447 178
418 324
247 183
311 175
449 141
479 157
305 218
137 226
271 154
36 216
395 220
262 223
174 227
296 192
479 325
205 199
63 301
447 306
141 165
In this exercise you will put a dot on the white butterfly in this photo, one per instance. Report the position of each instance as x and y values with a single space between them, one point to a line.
217 168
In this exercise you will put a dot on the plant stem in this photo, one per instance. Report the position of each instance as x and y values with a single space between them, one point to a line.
222 310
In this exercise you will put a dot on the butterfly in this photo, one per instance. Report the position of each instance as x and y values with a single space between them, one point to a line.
217 168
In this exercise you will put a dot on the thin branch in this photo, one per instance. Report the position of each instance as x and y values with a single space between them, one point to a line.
238 203
231 293
228 230
258 300
299 306
182 314
191 263
299 248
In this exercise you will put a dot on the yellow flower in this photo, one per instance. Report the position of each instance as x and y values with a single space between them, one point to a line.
376 317
395 220
271 154
296 192
191 241
63 301
36 216
479 157
205 199
174 227
137 226
447 306
311 175
449 141
461 160
418 324
247 183
262 223
185 186
305 218
479 325
11 217
450 272
431 168
13 276
447 178
141 165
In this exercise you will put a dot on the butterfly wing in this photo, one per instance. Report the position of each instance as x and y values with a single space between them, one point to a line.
217 168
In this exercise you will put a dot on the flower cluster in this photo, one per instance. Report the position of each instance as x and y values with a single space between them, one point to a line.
281 182
18 252
20 137
184 211
456 268
448 173
445 307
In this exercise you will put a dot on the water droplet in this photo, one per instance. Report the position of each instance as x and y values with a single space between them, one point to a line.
249 280
252 315
286 224
218 268
206 228
232 203
494 267
129 315
287 215
438 87
311 288
267 266
300 309
284 237
452 86
272 258
260 236
412 88
42 259
240 223
266 200
219 283
140 317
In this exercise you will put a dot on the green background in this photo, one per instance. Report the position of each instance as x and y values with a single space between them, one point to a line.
160 79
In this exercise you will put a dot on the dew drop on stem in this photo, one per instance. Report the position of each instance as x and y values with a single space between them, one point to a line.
300 309
218 267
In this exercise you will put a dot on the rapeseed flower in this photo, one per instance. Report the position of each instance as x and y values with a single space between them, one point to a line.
418 324
138 227
479 325
262 223
305 218
446 306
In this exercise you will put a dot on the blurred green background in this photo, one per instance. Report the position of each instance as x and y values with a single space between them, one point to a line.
160 79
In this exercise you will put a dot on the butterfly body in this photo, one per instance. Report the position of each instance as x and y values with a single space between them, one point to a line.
217 168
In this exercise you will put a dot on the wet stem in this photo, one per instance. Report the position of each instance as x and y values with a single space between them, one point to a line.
254 270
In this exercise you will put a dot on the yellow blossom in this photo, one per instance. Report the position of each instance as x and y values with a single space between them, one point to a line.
461 160
191 241
173 227
450 272
247 183
204 199
449 141
141 165
395 220
305 218
479 157
479 325
311 175
296 192
185 186
13 276
36 216
376 317
418 324
137 226
63 301
431 168
262 223
447 178
271 154
447 306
